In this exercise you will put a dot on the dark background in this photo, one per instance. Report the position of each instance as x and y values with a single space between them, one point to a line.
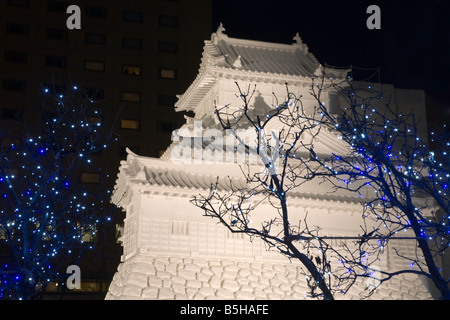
412 49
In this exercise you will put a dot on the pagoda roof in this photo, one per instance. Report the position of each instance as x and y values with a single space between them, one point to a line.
162 176
263 57
227 57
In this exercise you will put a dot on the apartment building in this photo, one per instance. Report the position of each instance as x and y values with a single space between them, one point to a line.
135 56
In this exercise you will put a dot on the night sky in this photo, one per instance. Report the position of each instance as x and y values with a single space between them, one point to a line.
412 49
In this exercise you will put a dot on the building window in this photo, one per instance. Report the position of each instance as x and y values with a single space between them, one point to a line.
130 16
166 46
54 88
57 34
18 57
96 12
165 127
166 100
167 73
12 173
19 3
130 124
57 6
179 228
98 66
95 93
11 142
89 232
166 21
128 96
11 114
14 85
95 38
132 43
89 177
17 28
56 61
96 121
131 70
333 106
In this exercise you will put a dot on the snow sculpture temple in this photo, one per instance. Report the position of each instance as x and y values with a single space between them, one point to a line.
172 251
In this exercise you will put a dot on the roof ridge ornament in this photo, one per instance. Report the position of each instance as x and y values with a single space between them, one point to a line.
238 62
221 29
299 43
219 34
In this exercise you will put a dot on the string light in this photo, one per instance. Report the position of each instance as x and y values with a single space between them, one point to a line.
42 217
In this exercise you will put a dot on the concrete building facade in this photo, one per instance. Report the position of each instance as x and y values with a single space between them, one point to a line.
132 56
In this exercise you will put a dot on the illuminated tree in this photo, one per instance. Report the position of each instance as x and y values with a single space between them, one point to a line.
403 186
409 179
47 218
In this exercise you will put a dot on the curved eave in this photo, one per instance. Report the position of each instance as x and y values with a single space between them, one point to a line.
145 175
196 92
295 199
211 74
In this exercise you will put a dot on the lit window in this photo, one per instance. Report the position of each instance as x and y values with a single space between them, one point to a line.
89 177
119 233
128 96
91 65
88 233
167 73
130 124
131 70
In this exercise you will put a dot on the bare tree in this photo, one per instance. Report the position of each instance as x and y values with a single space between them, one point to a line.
272 184
409 180
47 218
384 156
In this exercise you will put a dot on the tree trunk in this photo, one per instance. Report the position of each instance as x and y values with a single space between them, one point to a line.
434 273
313 270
